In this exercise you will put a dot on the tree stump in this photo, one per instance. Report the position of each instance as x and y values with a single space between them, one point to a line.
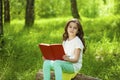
39 76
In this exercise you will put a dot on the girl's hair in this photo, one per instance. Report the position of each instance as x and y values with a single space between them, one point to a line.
80 33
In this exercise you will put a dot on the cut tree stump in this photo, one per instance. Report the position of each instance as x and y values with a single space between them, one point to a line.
39 76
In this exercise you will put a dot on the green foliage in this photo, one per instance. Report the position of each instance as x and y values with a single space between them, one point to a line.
20 58
101 59
53 8
117 7
89 8
17 9
102 56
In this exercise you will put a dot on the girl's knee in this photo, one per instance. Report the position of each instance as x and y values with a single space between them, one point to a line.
57 63
46 62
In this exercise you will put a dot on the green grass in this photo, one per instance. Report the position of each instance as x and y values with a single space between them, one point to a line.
21 58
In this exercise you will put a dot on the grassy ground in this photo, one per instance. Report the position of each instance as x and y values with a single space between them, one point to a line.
21 58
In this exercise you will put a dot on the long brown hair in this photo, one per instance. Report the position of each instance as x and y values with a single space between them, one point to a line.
80 33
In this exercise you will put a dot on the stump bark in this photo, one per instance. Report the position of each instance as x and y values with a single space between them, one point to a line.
79 76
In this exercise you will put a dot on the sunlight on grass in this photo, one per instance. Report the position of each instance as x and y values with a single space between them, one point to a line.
107 9
23 54
57 33
52 21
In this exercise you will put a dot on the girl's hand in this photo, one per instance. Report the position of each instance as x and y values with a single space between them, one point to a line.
76 56
66 58
43 58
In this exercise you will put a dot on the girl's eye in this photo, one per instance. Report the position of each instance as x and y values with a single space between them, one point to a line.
75 27
70 26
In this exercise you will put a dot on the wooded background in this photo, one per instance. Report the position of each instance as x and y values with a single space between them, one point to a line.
26 23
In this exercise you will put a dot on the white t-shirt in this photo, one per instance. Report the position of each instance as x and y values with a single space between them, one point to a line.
70 46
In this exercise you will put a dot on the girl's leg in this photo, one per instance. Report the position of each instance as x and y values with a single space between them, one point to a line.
60 66
46 69
57 70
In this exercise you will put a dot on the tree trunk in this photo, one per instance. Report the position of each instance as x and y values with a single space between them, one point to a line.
1 18
1 24
74 9
29 16
6 11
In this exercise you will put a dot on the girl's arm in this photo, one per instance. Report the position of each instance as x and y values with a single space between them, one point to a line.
76 58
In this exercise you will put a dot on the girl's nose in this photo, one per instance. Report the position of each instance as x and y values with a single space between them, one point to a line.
72 28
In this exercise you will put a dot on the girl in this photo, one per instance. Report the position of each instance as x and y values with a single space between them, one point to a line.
74 45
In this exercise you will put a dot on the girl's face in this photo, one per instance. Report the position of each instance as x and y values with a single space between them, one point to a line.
72 29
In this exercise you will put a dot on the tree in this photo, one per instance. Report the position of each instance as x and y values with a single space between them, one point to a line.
29 15
74 9
6 11
1 23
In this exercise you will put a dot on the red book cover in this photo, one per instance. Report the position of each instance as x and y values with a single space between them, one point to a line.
52 51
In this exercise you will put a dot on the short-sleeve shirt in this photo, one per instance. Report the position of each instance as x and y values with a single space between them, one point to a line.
69 47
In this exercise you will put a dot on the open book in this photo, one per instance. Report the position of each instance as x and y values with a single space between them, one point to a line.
52 51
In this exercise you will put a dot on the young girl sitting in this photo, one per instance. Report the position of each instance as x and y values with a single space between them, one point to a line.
74 46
